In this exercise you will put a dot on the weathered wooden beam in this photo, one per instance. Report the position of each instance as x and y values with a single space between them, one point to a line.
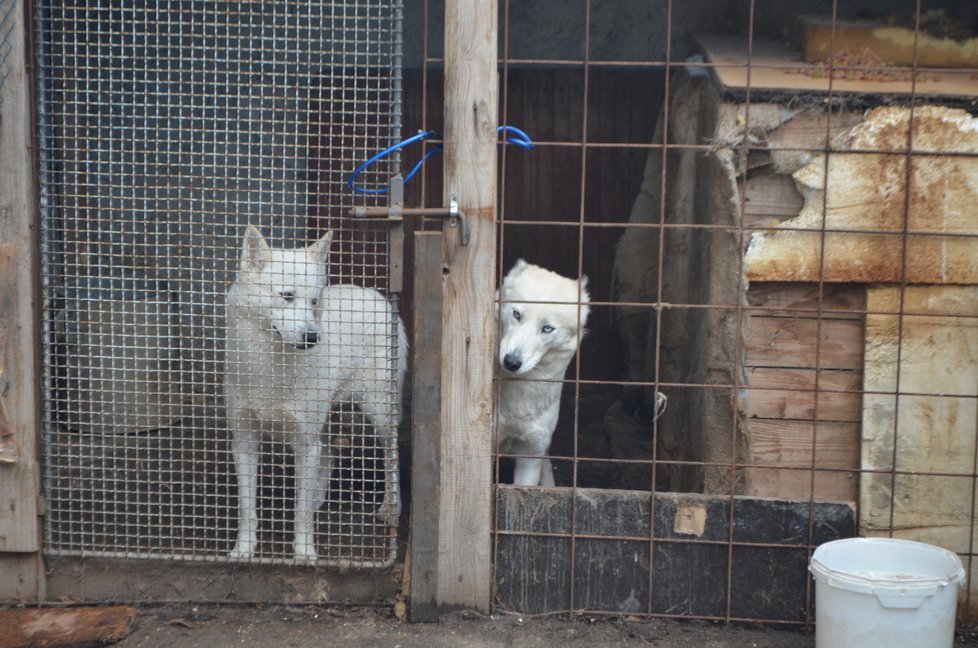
471 99
65 627
19 480
426 427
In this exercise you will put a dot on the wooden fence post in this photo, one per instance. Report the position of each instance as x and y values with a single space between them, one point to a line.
21 570
471 106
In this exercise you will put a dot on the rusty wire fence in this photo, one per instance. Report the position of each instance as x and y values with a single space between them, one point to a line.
163 131
780 246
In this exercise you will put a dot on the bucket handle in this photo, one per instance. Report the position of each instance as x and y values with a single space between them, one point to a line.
904 602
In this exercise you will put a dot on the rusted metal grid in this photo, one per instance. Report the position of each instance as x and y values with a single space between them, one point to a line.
163 131
577 240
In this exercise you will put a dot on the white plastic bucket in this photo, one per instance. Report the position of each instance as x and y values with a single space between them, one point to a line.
882 593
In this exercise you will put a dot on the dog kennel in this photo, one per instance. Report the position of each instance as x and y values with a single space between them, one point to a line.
774 213
162 131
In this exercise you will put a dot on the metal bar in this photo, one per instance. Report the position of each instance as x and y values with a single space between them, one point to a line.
455 216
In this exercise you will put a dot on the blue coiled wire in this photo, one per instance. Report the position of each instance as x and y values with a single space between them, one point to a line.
512 135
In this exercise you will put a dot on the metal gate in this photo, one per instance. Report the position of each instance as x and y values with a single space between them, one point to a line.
165 129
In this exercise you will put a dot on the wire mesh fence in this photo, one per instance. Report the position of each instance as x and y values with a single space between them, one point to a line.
164 130
779 241
757 202
7 8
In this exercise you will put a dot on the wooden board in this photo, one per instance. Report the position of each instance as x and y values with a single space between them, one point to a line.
922 369
19 481
892 43
426 427
797 405
922 420
793 342
471 103
65 627
802 435
682 538
769 60
106 580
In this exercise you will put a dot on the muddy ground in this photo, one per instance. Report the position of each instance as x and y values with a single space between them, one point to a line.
370 627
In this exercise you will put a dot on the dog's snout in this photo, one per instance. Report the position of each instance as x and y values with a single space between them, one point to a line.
309 340
512 362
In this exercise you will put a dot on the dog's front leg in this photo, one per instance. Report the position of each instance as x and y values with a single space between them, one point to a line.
547 474
308 489
246 447
527 472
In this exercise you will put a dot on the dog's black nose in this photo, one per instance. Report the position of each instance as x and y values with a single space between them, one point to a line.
311 338
512 363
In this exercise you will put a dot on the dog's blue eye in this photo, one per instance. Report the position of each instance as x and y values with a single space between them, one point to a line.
517 315
315 301
287 295
547 328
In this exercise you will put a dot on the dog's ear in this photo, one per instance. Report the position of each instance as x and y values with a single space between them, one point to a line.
255 250
584 309
320 249
517 268
585 297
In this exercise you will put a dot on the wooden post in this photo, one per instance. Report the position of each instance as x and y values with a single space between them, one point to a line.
21 571
426 426
471 106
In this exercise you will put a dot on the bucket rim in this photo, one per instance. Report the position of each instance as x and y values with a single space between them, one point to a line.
909 585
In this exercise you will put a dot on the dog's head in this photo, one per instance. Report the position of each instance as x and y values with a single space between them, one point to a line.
542 316
284 286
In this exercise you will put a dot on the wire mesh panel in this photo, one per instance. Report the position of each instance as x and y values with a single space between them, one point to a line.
772 214
6 24
165 129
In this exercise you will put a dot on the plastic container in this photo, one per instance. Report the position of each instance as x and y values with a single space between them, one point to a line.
881 593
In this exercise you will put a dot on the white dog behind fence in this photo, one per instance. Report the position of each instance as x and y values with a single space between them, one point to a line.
542 317
295 347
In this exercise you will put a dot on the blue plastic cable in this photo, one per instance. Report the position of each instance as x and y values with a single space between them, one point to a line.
522 139
512 135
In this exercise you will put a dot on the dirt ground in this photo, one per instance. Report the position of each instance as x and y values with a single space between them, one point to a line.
367 627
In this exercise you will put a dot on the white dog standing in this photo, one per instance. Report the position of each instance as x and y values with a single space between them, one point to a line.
542 316
296 346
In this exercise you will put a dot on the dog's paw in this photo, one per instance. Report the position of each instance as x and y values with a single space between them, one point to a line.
306 554
242 551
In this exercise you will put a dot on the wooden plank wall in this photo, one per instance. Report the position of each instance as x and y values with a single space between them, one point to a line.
21 569
786 353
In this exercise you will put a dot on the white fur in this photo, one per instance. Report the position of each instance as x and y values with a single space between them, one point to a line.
542 317
296 346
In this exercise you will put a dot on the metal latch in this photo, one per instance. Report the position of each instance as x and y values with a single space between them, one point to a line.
396 211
